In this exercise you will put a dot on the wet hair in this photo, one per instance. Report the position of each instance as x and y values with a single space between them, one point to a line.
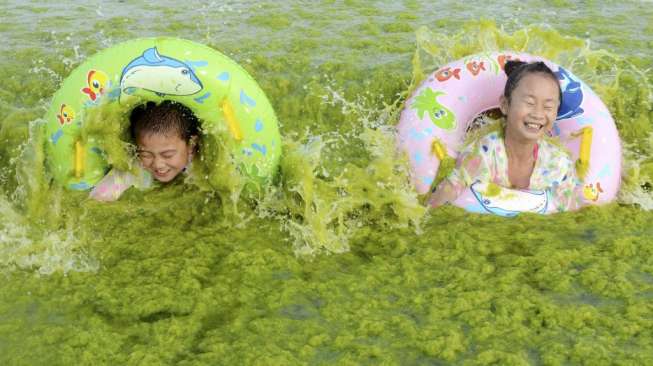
165 118
516 70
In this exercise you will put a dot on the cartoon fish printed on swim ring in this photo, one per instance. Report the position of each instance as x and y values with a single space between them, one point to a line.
97 81
475 67
66 114
592 191
447 73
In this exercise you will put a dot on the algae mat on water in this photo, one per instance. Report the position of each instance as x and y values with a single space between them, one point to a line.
337 263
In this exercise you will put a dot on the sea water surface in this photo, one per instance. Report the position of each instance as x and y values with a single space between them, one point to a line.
338 263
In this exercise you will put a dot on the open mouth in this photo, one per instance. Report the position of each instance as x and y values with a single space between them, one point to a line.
533 126
161 173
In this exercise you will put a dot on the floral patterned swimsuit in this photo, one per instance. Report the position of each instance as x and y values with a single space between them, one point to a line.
486 160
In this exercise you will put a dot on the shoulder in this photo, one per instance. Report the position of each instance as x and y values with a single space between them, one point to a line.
489 144
485 143
554 150
491 139
557 160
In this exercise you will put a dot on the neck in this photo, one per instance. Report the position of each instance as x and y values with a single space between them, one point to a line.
519 149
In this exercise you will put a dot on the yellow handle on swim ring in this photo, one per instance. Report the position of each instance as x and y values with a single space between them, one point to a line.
438 149
79 159
583 163
230 118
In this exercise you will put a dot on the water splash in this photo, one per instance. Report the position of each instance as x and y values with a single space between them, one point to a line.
44 252
326 198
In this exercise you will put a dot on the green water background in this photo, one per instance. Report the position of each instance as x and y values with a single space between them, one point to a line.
338 263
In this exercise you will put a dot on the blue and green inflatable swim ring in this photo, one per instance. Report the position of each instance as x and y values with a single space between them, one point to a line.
219 91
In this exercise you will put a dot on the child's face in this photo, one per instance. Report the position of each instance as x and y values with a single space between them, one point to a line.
533 107
163 155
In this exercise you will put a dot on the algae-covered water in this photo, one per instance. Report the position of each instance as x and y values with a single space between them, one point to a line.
337 263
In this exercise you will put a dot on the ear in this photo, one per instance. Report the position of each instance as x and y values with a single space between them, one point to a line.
503 105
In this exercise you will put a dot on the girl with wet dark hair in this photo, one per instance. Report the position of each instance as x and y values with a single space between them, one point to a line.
166 138
520 154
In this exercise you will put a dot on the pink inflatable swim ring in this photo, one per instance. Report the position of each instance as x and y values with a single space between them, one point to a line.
441 109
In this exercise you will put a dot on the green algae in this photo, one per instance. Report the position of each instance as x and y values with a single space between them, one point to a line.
323 210
483 298
191 274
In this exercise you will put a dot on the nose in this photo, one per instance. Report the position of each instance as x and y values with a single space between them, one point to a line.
538 112
158 162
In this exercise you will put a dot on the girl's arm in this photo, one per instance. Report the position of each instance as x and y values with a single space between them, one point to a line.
112 186
471 165
446 192
116 182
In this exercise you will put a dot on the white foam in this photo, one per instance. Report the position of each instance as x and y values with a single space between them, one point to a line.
26 248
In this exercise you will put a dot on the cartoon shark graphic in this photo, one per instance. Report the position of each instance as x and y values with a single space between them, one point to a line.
440 115
572 95
510 202
160 74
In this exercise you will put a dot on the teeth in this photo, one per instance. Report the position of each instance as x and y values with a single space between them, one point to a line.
533 125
